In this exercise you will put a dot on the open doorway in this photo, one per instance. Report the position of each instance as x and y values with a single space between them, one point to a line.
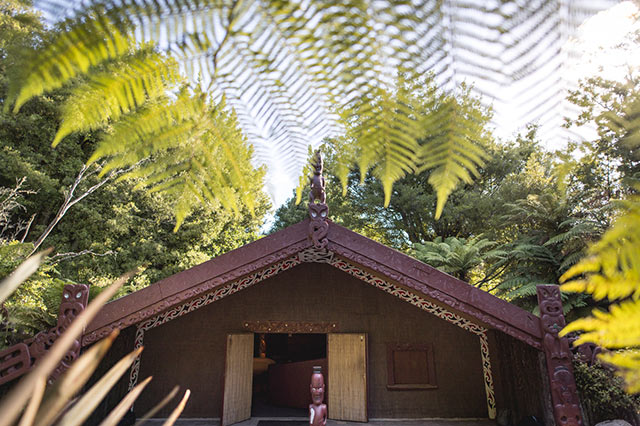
282 367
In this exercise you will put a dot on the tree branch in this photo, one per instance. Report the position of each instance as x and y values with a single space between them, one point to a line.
69 201
61 257
27 228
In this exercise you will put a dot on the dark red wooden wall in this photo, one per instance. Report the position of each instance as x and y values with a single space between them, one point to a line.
189 351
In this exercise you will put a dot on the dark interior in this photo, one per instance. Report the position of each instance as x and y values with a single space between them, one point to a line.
282 370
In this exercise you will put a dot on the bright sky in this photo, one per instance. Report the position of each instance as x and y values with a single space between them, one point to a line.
600 46
603 47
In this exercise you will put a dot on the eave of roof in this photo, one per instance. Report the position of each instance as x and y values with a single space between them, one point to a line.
383 261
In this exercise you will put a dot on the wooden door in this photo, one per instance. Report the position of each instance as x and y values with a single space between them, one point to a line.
347 393
238 378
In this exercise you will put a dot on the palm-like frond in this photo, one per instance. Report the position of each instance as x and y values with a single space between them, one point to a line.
578 229
289 68
296 64
457 256
122 87
87 43
612 269
385 136
199 155
451 149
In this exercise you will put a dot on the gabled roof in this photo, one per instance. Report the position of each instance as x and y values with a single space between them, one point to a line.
382 261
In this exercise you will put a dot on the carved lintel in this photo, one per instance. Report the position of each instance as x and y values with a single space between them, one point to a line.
318 209
564 396
290 327
18 359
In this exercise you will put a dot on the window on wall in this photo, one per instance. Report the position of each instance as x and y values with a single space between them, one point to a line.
410 366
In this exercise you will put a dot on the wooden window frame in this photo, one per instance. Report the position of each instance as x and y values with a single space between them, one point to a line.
427 348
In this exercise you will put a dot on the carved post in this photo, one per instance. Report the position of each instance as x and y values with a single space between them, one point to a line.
318 209
317 410
564 396
20 358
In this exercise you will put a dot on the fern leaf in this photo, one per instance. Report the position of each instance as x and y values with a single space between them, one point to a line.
449 149
612 268
385 138
199 157
618 328
121 88
627 364
70 54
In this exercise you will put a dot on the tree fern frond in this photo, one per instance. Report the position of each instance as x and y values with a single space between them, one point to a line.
617 328
385 137
450 149
612 267
571 259
198 154
86 44
291 67
579 230
121 88
526 289
627 364
160 118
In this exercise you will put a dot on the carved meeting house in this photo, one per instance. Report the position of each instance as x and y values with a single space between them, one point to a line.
395 338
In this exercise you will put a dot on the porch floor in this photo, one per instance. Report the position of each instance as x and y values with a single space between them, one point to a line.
404 422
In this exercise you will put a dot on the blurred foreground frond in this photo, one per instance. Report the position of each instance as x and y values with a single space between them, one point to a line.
612 271
298 65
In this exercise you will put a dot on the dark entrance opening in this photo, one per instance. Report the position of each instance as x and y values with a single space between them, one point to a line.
282 367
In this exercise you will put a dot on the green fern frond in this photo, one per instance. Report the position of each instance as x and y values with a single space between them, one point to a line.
198 154
297 65
342 164
71 53
303 179
578 230
449 149
571 259
513 282
627 364
612 268
385 137
122 87
526 289
159 118
617 328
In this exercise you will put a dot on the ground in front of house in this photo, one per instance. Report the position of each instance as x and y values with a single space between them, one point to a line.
254 421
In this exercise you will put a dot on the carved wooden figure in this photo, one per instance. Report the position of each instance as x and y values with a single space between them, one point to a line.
20 358
318 209
564 396
317 410
317 181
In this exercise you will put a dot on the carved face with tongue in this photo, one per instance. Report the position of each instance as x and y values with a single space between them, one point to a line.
317 388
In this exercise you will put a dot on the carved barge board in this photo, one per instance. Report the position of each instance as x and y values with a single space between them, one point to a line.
564 395
22 357
262 256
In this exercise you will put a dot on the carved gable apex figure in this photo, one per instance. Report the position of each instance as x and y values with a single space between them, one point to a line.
318 209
